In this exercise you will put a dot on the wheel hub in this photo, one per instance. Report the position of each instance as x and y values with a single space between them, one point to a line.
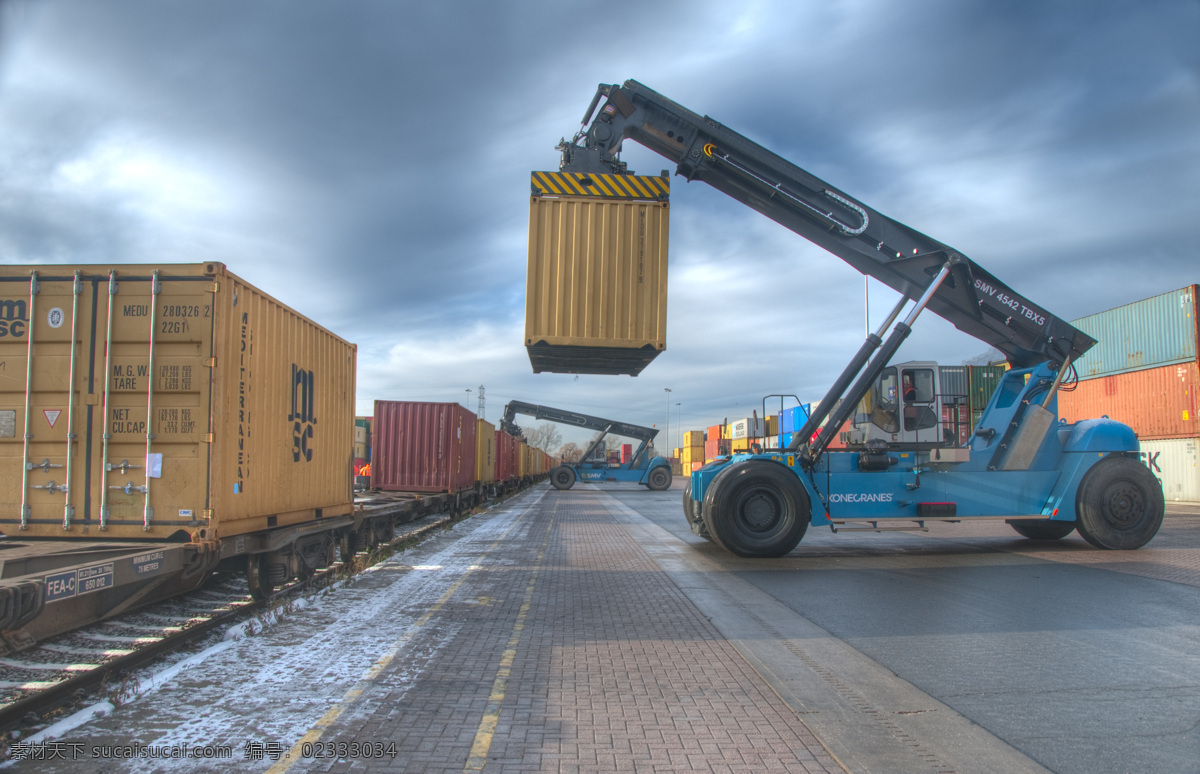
1123 505
760 511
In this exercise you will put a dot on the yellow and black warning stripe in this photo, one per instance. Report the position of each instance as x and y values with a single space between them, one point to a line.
604 186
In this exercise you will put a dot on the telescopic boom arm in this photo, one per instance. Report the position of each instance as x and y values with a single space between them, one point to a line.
971 298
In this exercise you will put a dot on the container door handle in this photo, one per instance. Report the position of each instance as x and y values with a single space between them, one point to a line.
106 435
26 508
155 289
69 506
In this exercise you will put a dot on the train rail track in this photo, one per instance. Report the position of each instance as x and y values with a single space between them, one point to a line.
66 670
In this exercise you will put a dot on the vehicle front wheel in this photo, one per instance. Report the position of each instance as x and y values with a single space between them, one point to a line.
659 479
756 508
1119 504
562 477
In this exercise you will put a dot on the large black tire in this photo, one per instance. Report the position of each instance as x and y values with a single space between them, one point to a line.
562 477
691 512
1041 529
1119 504
659 478
756 508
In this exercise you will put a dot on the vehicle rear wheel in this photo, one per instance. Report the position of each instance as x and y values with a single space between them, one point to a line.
1041 529
691 511
1119 505
756 508
659 479
562 477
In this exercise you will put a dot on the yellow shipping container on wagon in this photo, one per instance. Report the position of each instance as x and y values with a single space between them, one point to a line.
523 468
166 402
485 451
596 287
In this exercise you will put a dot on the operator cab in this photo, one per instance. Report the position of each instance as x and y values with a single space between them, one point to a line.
908 405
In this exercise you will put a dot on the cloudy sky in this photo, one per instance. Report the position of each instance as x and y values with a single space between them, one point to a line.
368 164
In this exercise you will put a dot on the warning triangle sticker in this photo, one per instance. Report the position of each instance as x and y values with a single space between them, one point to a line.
51 415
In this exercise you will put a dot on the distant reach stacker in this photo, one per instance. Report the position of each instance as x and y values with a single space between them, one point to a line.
594 467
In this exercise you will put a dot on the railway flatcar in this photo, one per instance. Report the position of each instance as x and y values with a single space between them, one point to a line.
159 423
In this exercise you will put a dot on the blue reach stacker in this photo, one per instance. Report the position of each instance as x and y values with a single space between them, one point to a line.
1042 475
594 468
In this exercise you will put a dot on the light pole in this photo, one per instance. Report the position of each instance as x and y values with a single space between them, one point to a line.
668 433
468 399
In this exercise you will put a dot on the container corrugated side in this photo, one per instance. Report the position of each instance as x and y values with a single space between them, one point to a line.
1156 331
506 456
750 427
596 286
423 447
1175 462
523 466
485 451
206 409
1157 402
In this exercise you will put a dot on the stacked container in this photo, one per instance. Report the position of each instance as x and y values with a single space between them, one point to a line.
423 447
692 453
715 446
751 427
1143 372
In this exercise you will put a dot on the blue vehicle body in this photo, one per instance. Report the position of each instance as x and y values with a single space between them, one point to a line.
921 484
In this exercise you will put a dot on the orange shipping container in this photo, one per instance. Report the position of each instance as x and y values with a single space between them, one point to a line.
166 402
1158 403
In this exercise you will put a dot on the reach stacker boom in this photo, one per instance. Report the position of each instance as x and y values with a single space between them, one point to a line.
1044 476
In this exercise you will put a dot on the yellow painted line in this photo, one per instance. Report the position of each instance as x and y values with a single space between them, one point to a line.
491 715
294 754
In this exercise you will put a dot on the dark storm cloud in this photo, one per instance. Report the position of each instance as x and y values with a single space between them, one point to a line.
368 162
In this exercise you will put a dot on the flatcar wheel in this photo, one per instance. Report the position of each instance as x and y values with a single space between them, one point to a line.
691 512
260 587
1119 504
562 477
1041 529
756 509
659 479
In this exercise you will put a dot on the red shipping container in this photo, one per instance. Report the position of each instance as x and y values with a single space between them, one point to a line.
626 452
423 447
506 456
715 447
1158 403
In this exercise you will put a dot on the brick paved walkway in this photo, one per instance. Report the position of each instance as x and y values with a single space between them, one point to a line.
568 650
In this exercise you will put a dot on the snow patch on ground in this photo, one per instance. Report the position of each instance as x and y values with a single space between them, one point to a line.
269 681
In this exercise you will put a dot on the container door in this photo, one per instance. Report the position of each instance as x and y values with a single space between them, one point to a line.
103 403
152 378
45 321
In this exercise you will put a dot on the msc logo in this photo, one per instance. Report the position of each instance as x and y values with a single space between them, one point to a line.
14 318
303 415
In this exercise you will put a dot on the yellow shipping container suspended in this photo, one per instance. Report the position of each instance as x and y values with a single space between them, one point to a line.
596 287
